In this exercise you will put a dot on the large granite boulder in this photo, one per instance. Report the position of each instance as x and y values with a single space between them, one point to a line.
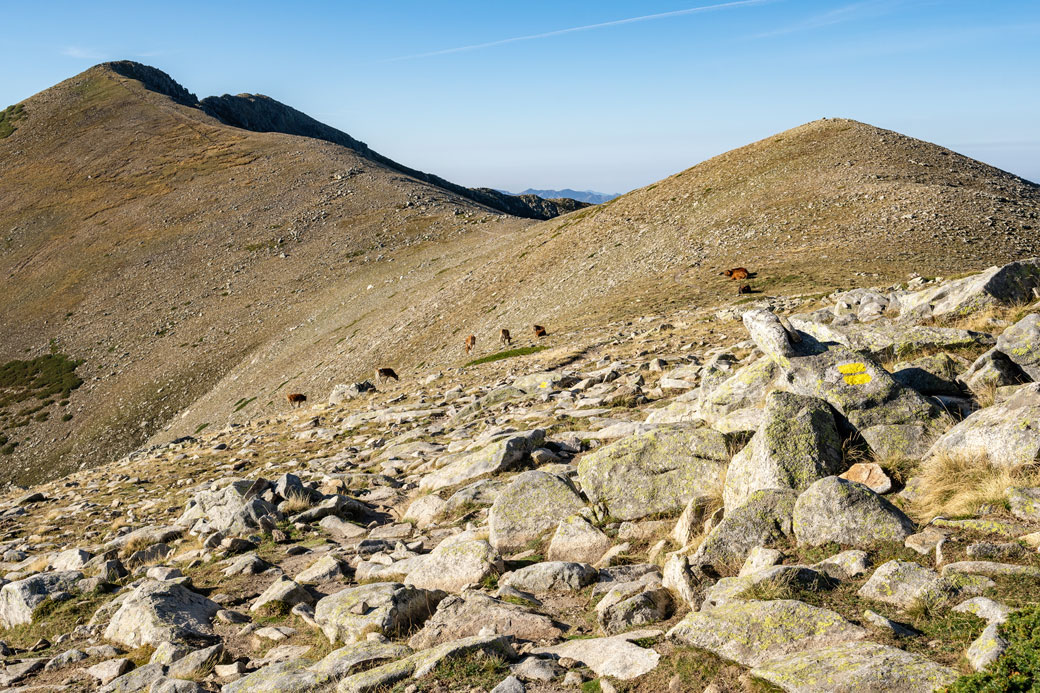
20 598
756 632
845 512
531 505
1007 433
856 667
1021 344
654 472
379 607
1011 283
796 445
763 520
156 612
894 420
494 458
455 563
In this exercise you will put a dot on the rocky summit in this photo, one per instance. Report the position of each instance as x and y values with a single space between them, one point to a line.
841 495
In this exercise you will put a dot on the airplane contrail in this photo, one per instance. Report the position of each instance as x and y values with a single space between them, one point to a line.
587 27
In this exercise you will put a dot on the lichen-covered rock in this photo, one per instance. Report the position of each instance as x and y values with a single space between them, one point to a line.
542 382
743 390
855 667
1021 344
904 584
227 510
733 589
770 335
986 648
425 510
577 540
379 607
931 375
495 458
1011 283
156 612
469 614
531 505
455 563
550 576
20 598
654 472
796 445
303 675
891 418
753 633
884 337
844 512
1007 433
1024 502
616 656
992 369
763 520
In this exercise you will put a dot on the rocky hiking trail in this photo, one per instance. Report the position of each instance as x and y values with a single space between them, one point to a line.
796 494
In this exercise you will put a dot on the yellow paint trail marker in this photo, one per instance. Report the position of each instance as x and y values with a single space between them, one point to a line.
855 373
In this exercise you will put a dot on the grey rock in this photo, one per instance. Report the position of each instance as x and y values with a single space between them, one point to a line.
18 599
380 607
1007 433
855 667
495 458
155 612
615 656
796 445
753 633
531 505
763 520
551 576
455 563
844 512
654 472
469 614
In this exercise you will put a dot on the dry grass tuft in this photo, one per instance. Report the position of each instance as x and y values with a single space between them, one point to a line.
986 394
954 485
297 503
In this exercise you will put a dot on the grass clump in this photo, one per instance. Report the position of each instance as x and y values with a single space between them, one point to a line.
476 670
1019 668
522 351
42 377
8 117
957 485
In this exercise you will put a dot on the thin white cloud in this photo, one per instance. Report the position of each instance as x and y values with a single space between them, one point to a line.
81 53
587 27
838 15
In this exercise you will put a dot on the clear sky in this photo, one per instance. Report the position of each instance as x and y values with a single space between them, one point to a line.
602 95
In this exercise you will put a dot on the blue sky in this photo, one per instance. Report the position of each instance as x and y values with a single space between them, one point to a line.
583 97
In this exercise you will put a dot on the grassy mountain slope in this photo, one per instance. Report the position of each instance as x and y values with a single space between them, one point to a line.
831 204
161 246
202 270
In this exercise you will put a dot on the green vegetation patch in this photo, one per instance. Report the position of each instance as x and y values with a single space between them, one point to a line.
8 117
42 377
476 670
522 351
1019 668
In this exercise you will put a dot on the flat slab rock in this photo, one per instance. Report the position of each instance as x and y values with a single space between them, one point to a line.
615 656
855 667
753 633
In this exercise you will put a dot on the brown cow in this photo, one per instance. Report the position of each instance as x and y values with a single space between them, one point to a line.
736 273
471 341
506 339
539 331
386 374
296 399
743 289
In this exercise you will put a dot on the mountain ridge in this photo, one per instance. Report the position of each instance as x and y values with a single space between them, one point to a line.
202 269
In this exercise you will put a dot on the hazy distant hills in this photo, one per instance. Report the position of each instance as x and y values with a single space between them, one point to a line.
590 196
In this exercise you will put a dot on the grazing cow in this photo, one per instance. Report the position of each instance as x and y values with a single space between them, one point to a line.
736 273
296 399
471 341
506 339
385 374
743 289
539 331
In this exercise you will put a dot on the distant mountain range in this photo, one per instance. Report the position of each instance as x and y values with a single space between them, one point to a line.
590 196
